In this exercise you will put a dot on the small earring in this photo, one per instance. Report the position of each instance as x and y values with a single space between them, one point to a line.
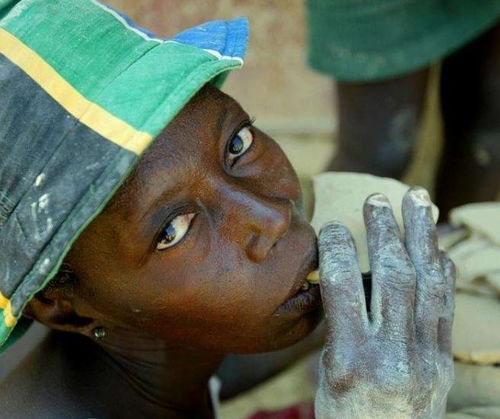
99 333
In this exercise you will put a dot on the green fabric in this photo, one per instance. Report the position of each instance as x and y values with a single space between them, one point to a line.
365 40
105 78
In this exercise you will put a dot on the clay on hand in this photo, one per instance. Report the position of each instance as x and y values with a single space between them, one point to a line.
393 360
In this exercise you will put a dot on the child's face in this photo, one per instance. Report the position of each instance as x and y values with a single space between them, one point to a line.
205 241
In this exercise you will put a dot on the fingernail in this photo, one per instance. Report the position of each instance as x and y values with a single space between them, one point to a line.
420 196
378 199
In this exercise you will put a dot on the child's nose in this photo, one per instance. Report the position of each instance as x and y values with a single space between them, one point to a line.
267 221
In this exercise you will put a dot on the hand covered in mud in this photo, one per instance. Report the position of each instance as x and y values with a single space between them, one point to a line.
395 360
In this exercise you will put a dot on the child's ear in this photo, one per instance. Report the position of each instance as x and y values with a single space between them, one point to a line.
53 307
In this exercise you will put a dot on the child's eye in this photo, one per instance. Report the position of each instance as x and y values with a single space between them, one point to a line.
174 231
239 144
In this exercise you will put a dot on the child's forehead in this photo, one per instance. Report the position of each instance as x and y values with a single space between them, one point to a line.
209 102
204 120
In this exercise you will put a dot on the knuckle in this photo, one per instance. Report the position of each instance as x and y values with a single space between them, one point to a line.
397 270
336 246
339 370
343 381
407 274
395 383
339 260
337 280
395 372
336 270
398 285
340 252
430 372
433 289
432 271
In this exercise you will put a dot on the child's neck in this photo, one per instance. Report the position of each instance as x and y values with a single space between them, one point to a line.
173 378
125 377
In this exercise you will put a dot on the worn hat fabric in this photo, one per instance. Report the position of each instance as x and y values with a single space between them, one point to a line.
83 92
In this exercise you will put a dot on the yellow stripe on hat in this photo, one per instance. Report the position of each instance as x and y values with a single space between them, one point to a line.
89 113
5 305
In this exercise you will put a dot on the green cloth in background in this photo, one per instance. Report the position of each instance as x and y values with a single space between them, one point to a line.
365 40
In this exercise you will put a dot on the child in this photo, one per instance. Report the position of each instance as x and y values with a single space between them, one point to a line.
182 233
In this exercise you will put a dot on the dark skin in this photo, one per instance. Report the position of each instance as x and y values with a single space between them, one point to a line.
384 116
203 252
470 93
172 314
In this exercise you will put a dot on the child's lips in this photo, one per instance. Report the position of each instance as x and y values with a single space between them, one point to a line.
302 302
301 298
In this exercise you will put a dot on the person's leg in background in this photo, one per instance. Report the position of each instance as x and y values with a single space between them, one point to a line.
361 44
378 124
470 98
380 86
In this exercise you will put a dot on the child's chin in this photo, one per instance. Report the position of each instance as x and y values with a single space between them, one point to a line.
302 328
307 324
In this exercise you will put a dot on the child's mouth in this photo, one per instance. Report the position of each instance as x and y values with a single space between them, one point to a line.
307 299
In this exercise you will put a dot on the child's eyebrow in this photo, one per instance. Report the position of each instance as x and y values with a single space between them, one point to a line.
231 110
161 201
